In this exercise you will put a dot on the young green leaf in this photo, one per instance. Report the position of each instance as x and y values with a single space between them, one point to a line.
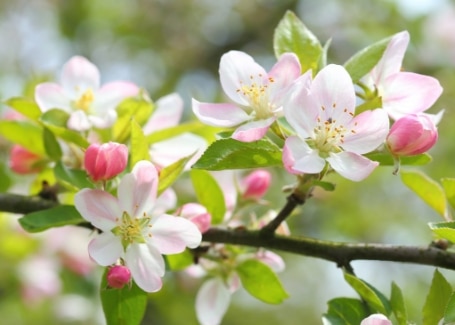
291 35
261 282
169 174
61 215
398 306
444 230
346 311
25 106
25 134
449 314
124 306
437 299
427 189
177 262
233 154
386 159
209 194
448 184
74 179
168 133
373 297
139 146
51 145
363 61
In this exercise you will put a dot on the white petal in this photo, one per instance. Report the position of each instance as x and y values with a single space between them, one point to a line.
165 202
253 130
168 112
146 265
351 165
51 95
105 120
105 249
98 207
79 121
171 235
224 114
111 94
79 74
299 157
212 302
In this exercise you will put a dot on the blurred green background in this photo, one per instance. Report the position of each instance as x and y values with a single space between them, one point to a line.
166 46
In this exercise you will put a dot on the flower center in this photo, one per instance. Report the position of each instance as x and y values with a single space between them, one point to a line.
257 93
131 230
85 101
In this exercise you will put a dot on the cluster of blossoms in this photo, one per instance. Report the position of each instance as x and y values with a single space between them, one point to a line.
321 111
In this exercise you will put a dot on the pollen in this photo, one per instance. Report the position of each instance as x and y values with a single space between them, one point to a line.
256 91
85 101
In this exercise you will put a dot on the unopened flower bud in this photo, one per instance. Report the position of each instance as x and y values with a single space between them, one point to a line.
118 276
105 161
22 161
376 319
256 184
197 214
412 135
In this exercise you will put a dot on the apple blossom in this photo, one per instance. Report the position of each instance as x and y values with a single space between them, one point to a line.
256 184
376 319
401 93
197 214
105 161
132 230
79 93
117 276
412 135
258 95
23 161
327 130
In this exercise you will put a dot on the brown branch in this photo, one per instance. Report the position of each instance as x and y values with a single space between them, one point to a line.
21 204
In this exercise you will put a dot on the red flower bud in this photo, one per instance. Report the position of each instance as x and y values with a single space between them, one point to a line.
118 276
256 184
103 162
22 161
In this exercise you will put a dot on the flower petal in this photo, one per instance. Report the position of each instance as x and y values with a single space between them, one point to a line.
146 265
298 157
284 72
98 207
79 74
111 94
239 69
253 130
371 129
105 120
171 235
224 115
51 95
212 302
105 249
409 93
169 110
137 190
351 165
79 121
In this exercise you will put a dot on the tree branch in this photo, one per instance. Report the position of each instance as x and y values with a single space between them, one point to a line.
340 253
16 203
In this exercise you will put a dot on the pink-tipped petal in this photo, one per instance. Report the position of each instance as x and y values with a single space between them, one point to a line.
239 69
79 74
409 93
111 94
105 249
352 166
98 207
51 95
284 73
223 115
137 190
169 110
371 129
376 319
300 158
253 130
274 261
171 235
146 265
212 302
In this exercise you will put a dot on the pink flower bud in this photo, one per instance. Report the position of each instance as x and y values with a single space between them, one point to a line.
376 319
256 184
118 276
22 161
197 214
105 161
412 135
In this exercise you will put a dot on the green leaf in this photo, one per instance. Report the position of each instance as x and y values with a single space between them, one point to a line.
398 306
61 215
124 306
232 154
325 185
55 120
261 282
291 35
51 145
346 311
138 109
75 179
25 134
209 194
169 174
449 314
448 184
386 159
363 61
5 177
427 189
375 299
177 262
444 230
25 106
168 133
139 146
437 299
